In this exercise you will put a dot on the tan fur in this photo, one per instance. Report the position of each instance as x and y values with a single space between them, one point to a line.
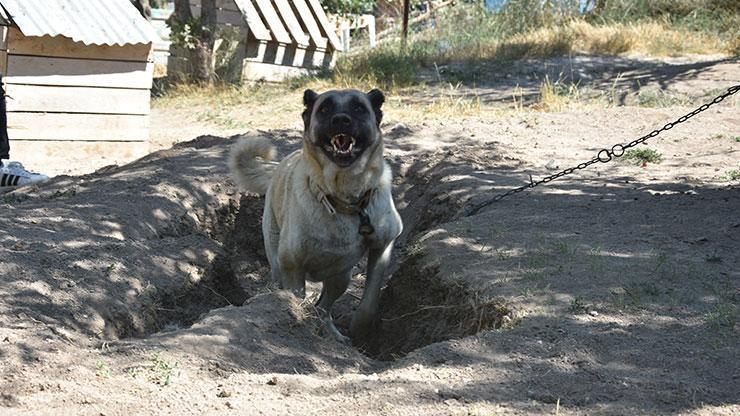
250 173
303 240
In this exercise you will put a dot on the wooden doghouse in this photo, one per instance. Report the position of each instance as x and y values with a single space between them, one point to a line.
78 76
279 38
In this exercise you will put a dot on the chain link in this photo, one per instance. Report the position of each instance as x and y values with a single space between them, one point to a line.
604 155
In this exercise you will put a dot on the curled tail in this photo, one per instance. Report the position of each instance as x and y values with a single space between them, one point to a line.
250 173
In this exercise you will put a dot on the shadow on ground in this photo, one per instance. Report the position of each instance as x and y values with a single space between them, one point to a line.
609 297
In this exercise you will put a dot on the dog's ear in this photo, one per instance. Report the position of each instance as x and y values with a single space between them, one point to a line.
377 99
309 99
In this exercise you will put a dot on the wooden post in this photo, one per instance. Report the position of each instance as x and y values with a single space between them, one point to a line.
405 27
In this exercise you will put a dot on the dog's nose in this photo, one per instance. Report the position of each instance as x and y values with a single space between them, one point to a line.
341 120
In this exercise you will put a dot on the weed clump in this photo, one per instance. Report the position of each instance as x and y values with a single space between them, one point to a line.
642 157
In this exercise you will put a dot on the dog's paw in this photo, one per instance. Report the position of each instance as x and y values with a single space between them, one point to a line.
334 332
342 339
365 325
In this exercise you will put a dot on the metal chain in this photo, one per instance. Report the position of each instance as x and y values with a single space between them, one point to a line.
604 155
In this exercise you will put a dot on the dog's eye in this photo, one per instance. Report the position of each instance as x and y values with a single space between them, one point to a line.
359 109
324 110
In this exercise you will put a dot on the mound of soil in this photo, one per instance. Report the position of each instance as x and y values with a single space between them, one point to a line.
143 288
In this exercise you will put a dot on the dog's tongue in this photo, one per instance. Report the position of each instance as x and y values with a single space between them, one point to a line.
343 142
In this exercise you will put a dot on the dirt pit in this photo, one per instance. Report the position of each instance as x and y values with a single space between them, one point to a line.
142 288
419 308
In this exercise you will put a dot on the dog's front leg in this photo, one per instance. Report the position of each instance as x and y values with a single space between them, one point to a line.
292 277
333 288
364 322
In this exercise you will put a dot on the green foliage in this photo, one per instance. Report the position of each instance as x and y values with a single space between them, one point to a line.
387 67
520 16
188 33
344 7
162 370
724 317
102 370
538 29
733 175
718 17
577 305
642 156
631 10
158 371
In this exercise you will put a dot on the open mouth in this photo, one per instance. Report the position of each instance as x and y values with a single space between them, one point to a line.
342 144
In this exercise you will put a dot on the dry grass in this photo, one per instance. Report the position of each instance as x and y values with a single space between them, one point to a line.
391 68
578 36
268 106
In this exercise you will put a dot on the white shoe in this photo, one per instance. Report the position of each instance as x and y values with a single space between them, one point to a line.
13 174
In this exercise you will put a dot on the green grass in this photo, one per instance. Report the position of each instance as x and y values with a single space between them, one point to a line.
723 317
536 29
102 370
642 156
733 175
713 258
662 99
158 370
638 292
577 305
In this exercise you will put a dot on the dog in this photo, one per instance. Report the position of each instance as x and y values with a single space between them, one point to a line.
328 204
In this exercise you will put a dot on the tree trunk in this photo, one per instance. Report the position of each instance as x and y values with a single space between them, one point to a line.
203 55
204 35
182 11
600 4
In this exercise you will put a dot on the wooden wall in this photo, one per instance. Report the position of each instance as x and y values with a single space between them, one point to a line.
68 93
286 40
161 47
296 43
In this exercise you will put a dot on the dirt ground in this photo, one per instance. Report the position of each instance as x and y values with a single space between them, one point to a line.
142 288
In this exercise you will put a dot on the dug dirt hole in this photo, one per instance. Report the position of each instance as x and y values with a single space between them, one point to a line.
418 306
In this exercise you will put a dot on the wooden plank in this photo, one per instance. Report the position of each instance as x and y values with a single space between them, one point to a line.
318 58
3 64
308 20
299 55
228 17
227 5
77 99
67 48
254 21
55 157
4 38
292 22
77 127
273 21
261 71
37 70
328 29
4 18
231 17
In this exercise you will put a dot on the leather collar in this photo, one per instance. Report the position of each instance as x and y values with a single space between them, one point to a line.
334 204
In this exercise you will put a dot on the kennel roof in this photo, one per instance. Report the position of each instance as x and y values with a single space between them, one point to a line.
289 21
92 22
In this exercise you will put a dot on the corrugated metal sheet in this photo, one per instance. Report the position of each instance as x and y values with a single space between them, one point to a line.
93 22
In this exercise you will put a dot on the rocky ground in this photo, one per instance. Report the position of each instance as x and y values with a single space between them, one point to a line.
142 289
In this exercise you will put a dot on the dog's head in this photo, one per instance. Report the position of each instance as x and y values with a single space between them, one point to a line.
342 124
